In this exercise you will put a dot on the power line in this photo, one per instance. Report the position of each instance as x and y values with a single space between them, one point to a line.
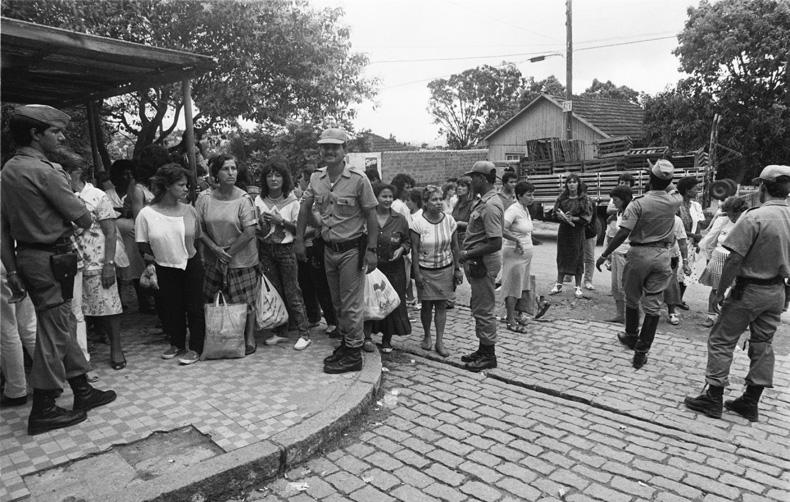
519 54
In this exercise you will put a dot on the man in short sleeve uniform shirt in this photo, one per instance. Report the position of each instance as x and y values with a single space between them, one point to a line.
648 222
482 257
759 262
38 208
349 229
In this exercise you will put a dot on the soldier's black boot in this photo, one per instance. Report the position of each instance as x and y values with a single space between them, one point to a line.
336 354
631 335
485 361
46 416
707 403
746 405
86 397
468 358
645 341
350 360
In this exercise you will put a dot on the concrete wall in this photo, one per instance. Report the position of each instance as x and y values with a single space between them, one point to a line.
430 166
542 120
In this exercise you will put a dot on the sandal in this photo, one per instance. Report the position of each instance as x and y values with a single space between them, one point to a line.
118 365
516 327
543 306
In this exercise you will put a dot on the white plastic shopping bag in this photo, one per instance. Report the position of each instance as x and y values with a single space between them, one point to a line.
270 308
380 297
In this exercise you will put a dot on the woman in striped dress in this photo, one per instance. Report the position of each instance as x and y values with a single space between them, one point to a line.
435 269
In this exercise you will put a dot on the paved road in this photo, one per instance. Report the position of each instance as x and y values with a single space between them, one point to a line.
564 417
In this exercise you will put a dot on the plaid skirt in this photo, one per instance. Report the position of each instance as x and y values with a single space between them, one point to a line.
238 285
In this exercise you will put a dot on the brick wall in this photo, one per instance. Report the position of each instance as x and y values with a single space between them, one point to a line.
430 166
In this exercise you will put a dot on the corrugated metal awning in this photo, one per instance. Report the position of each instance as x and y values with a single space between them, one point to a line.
41 64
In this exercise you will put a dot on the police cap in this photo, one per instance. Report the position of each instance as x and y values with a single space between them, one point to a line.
43 113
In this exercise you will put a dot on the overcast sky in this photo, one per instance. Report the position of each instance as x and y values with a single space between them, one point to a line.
454 35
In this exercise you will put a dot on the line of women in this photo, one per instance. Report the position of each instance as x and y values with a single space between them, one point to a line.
239 239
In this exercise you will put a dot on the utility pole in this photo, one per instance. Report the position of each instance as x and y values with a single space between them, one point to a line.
568 107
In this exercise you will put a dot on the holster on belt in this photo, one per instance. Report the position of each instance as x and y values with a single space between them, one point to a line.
736 293
64 268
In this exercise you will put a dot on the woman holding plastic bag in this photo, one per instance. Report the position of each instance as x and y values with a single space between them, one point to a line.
435 270
228 223
393 244
279 209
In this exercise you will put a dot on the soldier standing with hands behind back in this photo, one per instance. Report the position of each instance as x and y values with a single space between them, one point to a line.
38 208
346 204
759 262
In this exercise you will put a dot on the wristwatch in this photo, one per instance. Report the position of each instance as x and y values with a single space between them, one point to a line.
373 250
110 262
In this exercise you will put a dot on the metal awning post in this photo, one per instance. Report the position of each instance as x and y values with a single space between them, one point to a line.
90 109
186 90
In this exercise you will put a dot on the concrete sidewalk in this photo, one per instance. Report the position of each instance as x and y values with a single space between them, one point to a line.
583 361
184 430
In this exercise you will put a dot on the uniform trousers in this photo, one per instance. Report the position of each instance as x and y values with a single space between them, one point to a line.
346 280
645 277
760 308
483 299
17 330
58 357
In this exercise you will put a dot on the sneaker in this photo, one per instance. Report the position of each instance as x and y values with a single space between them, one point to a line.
330 328
274 340
578 293
674 320
302 343
556 289
172 352
589 285
386 348
189 357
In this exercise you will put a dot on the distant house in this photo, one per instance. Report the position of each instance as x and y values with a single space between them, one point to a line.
593 119
378 143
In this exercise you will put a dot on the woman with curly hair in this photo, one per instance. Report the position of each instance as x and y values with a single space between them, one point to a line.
574 211
279 210
228 223
167 232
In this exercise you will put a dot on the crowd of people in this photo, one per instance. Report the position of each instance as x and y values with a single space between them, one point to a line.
67 244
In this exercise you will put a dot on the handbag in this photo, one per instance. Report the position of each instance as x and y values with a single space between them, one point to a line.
381 299
225 325
269 306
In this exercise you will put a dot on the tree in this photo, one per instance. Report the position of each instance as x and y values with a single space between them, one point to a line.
737 53
534 88
679 118
609 90
277 61
467 106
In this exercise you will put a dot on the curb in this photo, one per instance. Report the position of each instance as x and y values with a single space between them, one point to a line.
255 463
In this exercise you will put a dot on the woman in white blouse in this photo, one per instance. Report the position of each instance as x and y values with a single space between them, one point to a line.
166 232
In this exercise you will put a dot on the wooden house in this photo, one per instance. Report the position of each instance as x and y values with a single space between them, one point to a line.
593 119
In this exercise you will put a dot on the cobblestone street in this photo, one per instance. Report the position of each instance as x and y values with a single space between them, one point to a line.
563 417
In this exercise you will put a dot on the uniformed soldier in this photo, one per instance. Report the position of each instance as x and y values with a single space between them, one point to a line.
346 205
38 208
759 261
648 222
482 259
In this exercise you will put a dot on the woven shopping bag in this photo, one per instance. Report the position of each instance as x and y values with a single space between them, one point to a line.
225 323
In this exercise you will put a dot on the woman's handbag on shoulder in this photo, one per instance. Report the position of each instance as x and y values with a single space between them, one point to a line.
225 325
270 309
381 299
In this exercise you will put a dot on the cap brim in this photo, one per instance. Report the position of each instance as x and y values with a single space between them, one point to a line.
330 141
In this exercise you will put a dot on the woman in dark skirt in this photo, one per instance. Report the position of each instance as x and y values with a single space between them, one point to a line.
574 211
393 244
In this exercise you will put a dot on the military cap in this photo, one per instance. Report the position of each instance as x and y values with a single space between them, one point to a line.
333 136
43 113
770 173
